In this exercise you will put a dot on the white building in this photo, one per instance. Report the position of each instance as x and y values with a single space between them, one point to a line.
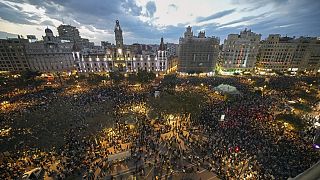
50 55
240 51
290 54
110 61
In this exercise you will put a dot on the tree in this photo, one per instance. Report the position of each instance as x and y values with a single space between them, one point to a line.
29 78
59 77
29 75
37 82
95 79
116 77
144 76
170 80
132 78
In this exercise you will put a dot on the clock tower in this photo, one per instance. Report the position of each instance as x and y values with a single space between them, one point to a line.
118 35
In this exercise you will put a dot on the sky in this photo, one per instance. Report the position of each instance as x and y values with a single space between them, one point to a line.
146 21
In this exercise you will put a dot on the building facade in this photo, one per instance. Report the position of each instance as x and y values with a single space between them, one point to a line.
50 55
289 54
307 55
172 49
70 33
13 54
197 54
121 58
240 51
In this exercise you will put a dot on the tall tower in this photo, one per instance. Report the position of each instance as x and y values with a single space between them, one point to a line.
162 47
118 35
188 33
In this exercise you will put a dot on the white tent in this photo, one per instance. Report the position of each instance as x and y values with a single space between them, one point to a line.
225 88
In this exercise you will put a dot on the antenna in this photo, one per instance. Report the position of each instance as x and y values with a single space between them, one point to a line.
62 21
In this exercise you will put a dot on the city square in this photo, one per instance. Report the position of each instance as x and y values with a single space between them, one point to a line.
123 131
160 90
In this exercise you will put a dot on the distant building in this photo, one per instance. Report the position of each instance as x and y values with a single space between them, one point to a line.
106 44
68 32
143 49
118 35
50 55
172 49
31 38
197 54
240 51
307 55
13 54
153 48
71 34
289 54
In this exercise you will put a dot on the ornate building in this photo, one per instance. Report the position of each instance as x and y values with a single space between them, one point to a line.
197 54
240 51
50 55
118 35
70 33
121 58
290 54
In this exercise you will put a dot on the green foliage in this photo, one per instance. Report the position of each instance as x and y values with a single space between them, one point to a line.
180 102
132 78
170 80
29 75
259 82
302 107
291 119
37 82
194 72
94 79
116 77
144 76
29 78
2 79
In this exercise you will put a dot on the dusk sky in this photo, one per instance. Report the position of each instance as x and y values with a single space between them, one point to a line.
146 21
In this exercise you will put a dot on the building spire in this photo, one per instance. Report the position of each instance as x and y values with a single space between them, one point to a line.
118 35
162 45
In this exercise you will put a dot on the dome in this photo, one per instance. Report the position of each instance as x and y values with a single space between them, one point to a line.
47 30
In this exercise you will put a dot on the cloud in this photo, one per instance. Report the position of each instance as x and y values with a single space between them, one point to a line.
151 8
47 23
4 35
145 21
260 2
172 8
244 19
14 14
132 8
216 15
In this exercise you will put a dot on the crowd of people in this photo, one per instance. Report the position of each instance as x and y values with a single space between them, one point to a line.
60 130
73 134
251 137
